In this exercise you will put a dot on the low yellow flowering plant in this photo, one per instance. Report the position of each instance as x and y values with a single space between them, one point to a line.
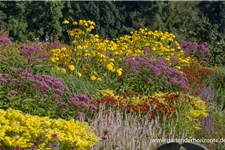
25 131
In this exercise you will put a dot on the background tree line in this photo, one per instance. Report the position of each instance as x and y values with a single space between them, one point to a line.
192 21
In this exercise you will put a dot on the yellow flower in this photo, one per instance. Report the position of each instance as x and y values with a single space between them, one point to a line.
63 70
57 68
65 22
79 74
153 48
119 71
110 66
71 67
178 67
93 77
52 59
68 132
107 92
79 47
99 79
75 23
197 128
216 67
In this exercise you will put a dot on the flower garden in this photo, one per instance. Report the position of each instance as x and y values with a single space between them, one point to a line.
114 94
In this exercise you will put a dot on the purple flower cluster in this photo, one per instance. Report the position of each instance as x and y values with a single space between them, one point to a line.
22 81
206 93
155 70
82 100
56 44
43 83
174 60
201 51
27 50
3 78
5 41
207 124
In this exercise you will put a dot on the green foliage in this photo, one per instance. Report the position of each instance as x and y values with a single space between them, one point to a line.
77 84
162 16
14 19
205 31
31 20
44 20
217 84
214 10
26 99
106 15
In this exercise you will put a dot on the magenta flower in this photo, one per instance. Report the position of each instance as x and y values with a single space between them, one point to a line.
13 92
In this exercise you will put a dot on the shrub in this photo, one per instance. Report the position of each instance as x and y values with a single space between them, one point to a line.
26 131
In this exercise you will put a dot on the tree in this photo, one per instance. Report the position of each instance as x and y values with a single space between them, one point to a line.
44 20
32 20
14 19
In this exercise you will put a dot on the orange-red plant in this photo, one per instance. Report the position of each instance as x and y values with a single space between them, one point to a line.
197 76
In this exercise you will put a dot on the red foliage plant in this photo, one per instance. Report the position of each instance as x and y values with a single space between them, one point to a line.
150 105
197 77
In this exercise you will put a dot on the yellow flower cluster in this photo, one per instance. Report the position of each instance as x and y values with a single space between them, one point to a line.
81 27
18 129
197 111
106 92
63 57
91 53
160 45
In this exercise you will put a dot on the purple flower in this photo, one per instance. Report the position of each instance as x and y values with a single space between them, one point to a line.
200 51
58 91
43 86
18 148
45 96
53 146
207 124
84 105
58 85
35 145
149 80
15 81
167 83
56 44
5 41
2 80
13 92
104 138
93 107
155 70
54 136
81 115
83 97
27 50
174 60
146 50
